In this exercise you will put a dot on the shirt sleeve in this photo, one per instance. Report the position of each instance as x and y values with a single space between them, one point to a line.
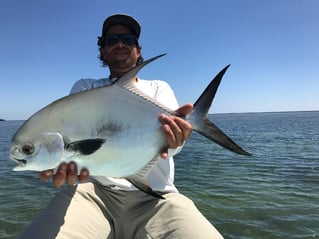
166 96
82 85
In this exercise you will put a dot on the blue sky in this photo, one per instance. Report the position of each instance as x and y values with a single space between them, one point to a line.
272 46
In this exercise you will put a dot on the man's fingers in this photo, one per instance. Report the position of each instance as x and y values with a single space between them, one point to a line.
46 175
65 173
60 176
186 128
184 110
84 175
164 153
172 131
176 129
72 173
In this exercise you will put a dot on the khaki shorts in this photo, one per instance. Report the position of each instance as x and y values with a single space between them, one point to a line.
91 210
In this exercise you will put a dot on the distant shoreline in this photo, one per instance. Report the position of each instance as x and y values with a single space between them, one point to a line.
266 112
228 113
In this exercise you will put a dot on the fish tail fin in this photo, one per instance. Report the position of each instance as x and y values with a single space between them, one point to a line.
203 125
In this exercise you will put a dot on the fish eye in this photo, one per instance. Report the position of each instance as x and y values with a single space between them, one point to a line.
28 149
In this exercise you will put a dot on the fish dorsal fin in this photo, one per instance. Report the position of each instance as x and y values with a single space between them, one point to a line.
127 79
128 82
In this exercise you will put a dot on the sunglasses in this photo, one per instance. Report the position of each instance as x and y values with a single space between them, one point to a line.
113 39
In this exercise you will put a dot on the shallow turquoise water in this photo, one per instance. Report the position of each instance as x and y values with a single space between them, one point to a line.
273 194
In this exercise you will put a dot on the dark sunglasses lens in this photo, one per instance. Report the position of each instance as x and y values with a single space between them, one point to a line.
111 40
127 39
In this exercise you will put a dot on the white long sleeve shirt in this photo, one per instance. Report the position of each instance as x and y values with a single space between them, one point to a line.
161 177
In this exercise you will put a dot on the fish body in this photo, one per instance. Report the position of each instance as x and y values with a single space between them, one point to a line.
113 130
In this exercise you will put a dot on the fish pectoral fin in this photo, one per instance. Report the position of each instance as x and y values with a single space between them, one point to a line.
53 141
86 146
143 186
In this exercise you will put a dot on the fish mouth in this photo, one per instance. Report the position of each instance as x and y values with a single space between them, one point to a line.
20 162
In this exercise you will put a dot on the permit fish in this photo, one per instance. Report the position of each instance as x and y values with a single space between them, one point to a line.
112 130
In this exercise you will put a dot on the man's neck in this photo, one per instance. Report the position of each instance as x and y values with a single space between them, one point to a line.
118 74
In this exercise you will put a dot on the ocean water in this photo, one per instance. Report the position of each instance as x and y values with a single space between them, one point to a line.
273 194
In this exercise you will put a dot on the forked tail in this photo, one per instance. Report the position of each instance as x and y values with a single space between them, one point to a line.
203 125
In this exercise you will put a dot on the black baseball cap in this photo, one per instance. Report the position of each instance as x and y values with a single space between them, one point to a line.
122 19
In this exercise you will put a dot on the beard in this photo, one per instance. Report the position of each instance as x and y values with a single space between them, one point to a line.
121 58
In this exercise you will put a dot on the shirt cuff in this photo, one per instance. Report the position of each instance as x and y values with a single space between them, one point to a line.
172 152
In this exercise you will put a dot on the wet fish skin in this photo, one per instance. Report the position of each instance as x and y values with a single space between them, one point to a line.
113 130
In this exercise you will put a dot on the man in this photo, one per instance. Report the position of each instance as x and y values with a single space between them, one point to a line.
112 207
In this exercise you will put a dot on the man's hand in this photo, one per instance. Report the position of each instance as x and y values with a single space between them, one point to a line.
65 173
176 129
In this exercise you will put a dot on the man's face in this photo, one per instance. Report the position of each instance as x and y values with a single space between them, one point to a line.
120 57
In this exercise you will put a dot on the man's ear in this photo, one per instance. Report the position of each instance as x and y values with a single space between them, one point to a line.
139 50
102 55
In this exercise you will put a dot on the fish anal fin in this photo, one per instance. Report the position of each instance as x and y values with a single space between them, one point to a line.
139 180
86 146
143 186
